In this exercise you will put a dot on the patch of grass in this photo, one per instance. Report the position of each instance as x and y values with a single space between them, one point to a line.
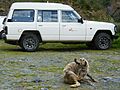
117 62
51 69
116 43
62 47
113 68
20 68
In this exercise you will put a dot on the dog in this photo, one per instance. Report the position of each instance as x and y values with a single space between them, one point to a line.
75 72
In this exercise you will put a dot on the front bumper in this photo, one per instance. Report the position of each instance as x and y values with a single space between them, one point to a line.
12 42
115 36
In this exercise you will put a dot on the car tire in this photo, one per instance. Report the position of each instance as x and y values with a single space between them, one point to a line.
102 41
1 34
29 42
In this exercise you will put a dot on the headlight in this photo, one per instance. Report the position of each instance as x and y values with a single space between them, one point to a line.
115 29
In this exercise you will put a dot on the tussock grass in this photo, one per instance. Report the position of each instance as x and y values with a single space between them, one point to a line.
116 43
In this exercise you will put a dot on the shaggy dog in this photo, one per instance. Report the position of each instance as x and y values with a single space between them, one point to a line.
76 71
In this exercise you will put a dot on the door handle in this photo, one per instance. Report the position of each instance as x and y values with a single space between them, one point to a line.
63 25
40 25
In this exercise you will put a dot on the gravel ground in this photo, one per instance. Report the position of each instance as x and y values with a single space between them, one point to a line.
43 69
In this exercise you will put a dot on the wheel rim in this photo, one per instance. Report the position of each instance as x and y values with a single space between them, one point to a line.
29 43
104 43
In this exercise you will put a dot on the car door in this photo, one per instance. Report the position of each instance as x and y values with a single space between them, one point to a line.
48 25
70 28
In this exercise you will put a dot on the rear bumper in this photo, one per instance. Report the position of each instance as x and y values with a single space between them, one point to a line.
13 42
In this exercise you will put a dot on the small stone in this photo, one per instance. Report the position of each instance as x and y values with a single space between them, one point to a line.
37 80
107 78
117 80
44 88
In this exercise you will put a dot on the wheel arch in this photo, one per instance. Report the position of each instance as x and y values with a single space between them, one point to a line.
31 31
103 31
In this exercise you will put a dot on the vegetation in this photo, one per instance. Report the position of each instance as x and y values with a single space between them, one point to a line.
88 9
43 70
116 43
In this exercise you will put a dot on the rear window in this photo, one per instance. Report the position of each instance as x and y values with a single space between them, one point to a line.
23 16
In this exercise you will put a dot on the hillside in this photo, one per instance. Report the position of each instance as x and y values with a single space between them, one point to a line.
101 10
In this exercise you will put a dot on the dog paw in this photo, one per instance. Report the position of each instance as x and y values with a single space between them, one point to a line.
75 85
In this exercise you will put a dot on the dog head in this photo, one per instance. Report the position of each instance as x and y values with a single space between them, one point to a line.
81 62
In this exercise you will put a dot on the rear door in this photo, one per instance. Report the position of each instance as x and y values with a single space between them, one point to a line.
20 20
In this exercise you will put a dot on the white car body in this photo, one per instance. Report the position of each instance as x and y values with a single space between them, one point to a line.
60 31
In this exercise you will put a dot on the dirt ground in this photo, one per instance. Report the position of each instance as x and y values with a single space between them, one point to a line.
43 69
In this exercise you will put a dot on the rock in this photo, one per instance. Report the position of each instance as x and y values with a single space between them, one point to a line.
37 80
106 79
117 80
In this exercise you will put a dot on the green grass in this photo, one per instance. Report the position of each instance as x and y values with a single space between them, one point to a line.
51 69
18 69
116 43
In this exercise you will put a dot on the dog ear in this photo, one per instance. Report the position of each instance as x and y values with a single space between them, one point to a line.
86 63
75 60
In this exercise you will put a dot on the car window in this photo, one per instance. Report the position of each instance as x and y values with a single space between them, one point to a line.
47 16
69 16
23 16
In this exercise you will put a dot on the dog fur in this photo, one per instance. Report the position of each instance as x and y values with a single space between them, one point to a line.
76 71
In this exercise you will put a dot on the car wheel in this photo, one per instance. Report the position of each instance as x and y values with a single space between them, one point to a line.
29 42
102 41
1 34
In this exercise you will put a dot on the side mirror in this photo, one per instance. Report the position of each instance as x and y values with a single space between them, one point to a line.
80 20
9 20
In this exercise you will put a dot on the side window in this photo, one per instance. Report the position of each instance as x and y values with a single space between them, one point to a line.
47 16
69 16
23 16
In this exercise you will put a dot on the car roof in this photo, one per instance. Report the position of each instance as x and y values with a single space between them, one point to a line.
41 6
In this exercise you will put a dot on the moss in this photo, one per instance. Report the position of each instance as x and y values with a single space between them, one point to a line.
51 69
117 62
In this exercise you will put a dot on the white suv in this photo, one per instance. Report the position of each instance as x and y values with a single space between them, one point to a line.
29 24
